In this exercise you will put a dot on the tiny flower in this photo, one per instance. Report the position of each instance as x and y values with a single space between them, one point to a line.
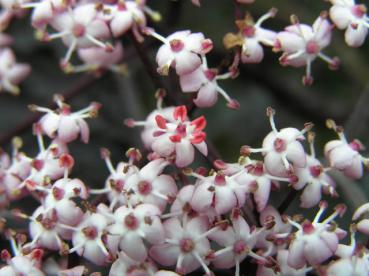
204 81
179 136
302 44
343 155
282 148
65 124
11 73
363 225
186 245
124 265
346 14
181 50
314 242
251 37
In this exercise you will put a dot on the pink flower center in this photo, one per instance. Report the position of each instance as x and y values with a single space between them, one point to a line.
315 171
187 245
78 30
355 145
210 74
358 10
240 247
48 224
176 45
65 110
58 193
181 130
90 232
220 180
144 187
308 227
279 145
248 31
131 222
312 47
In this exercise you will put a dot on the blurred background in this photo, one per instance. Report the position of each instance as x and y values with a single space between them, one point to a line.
342 95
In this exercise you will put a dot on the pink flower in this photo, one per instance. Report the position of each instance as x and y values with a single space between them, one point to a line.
282 148
11 73
237 242
65 124
179 136
181 50
251 37
80 28
345 156
314 242
345 14
204 81
124 265
302 44
362 225
186 245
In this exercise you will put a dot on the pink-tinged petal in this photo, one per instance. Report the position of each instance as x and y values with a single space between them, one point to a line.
332 145
18 72
296 256
290 42
342 157
50 123
163 146
330 239
62 22
264 34
186 62
323 31
197 226
355 170
202 147
193 42
166 273
193 81
42 14
274 165
242 228
93 253
360 211
173 228
225 200
207 95
296 154
252 51
225 260
316 251
152 169
84 130
98 29
121 23
164 57
185 153
202 198
184 196
84 14
223 237
311 195
306 30
68 129
165 254
190 264
261 195
356 37
340 16
75 271
304 177
344 251
341 267
363 226
155 231
133 246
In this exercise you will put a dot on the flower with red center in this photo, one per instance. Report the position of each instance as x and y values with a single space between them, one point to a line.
302 44
65 124
11 73
346 14
133 225
124 265
237 242
314 242
186 244
343 155
181 50
282 148
251 37
179 136
204 81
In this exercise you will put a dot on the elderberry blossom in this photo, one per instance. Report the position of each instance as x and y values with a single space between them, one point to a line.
181 50
346 14
282 149
343 155
65 124
363 224
124 265
251 37
301 44
237 242
316 241
9 10
313 179
133 225
150 185
186 245
79 27
11 73
178 136
204 81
